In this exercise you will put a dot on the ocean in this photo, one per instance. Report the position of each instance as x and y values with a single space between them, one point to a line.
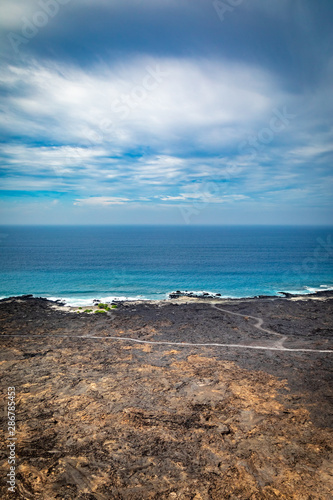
82 263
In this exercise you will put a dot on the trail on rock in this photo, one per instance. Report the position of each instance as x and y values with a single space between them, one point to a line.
278 345
179 344
259 322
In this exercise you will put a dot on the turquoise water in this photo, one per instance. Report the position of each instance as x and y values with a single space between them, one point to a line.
79 264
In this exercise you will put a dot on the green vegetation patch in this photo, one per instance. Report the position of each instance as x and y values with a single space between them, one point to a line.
102 306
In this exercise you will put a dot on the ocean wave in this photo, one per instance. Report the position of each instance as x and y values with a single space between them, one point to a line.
202 293
307 290
322 288
79 302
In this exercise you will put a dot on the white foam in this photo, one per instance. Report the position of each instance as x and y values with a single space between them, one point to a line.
200 293
79 302
309 290
321 288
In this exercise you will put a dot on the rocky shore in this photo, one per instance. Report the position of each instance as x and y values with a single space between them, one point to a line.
211 296
174 416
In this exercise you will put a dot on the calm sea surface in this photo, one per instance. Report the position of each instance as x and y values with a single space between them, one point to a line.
79 264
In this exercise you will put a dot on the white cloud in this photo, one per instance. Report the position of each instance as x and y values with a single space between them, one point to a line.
58 159
97 144
161 102
204 197
102 201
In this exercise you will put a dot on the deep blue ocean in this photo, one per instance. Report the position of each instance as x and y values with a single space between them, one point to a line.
79 264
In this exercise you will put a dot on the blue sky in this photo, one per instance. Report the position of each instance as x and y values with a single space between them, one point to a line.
166 112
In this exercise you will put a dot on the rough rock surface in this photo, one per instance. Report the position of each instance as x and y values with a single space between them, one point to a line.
107 419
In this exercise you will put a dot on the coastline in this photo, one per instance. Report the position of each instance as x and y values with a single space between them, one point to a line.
80 300
152 399
191 298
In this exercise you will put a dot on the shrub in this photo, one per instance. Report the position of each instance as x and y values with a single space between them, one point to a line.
102 306
114 306
87 310
100 312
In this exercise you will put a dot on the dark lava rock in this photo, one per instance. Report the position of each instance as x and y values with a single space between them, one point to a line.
105 418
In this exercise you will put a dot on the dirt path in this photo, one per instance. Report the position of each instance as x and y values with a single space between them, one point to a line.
276 346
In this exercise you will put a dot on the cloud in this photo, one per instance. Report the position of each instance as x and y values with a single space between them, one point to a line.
159 104
103 201
204 197
119 127
139 101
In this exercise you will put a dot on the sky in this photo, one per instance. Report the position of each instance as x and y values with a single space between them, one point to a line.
166 112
